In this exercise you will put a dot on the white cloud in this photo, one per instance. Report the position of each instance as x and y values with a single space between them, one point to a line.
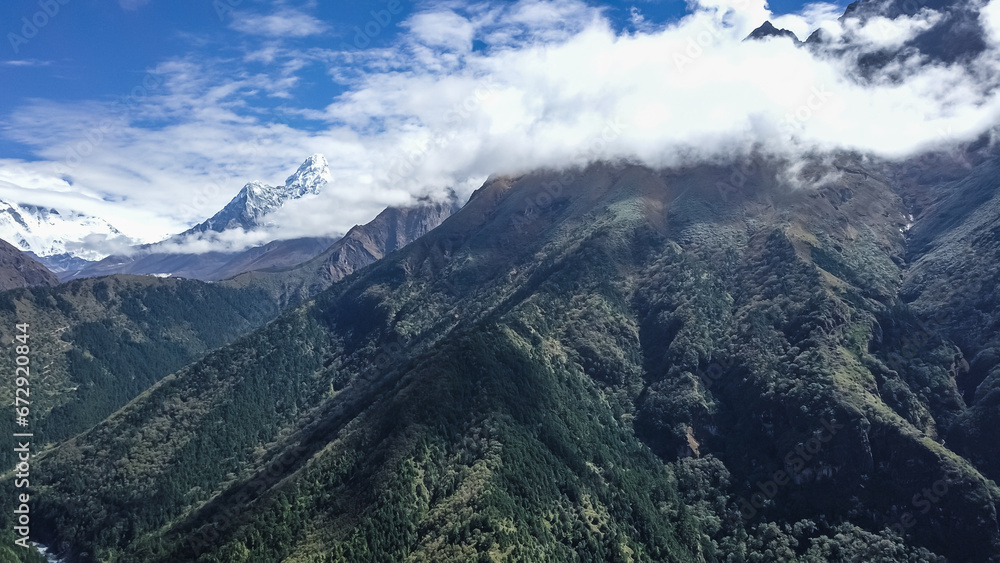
285 23
233 240
25 63
101 245
446 30
879 32
989 16
636 18
819 15
555 86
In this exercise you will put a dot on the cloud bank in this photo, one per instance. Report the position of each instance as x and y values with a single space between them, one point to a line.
468 90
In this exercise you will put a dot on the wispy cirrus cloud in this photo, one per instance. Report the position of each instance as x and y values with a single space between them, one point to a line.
288 22
25 63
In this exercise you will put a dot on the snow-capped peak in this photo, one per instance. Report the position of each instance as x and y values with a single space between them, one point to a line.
48 232
258 199
257 188
310 177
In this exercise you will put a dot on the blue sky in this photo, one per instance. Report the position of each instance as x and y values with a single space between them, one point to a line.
93 50
99 50
154 113
95 47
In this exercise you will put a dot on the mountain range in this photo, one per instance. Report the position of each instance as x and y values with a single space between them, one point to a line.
637 366
47 232
759 358
65 241
247 211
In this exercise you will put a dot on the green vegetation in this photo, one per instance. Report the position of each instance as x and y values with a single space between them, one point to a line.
96 344
602 375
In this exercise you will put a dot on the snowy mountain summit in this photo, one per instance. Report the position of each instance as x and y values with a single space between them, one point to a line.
48 232
257 199
64 239
309 178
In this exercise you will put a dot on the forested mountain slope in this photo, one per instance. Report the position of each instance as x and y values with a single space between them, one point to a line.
952 282
96 344
612 364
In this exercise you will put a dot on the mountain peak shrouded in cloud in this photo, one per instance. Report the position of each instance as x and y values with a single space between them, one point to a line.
44 231
708 298
257 200
450 93
767 29
888 37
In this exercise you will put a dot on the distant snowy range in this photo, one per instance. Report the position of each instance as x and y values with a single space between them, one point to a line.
74 244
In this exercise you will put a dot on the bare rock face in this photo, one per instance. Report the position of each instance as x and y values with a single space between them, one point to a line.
767 29
19 270
391 230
